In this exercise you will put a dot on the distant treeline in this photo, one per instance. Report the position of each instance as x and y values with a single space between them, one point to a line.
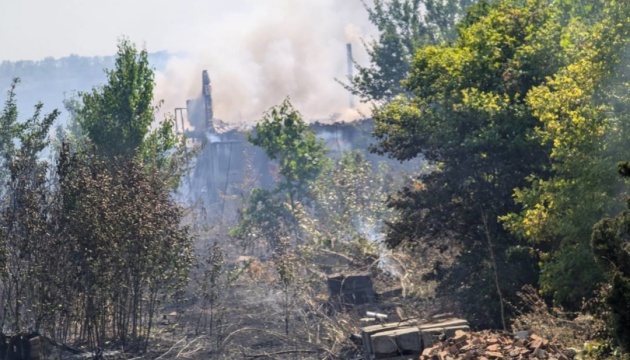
52 80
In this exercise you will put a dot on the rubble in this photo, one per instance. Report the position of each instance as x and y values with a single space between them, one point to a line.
487 345
406 339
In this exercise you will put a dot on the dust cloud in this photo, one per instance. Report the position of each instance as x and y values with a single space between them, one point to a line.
259 52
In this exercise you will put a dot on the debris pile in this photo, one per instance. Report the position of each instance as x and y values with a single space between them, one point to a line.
487 345
405 340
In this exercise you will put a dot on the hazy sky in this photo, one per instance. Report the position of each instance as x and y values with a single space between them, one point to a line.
34 29
257 51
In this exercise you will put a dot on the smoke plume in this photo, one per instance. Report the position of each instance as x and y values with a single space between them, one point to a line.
259 52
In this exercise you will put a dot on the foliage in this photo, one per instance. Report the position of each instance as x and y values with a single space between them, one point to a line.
91 245
612 251
583 118
22 141
116 116
263 219
350 200
271 216
403 26
23 212
469 117
115 176
123 232
285 138
165 153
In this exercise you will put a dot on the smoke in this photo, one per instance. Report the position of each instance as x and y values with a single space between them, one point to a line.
259 52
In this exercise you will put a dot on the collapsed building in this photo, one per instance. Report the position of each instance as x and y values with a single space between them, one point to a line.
227 161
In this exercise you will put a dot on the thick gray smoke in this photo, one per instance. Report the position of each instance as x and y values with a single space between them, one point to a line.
259 52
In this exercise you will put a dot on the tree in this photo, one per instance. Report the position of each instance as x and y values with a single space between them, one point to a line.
403 26
612 251
468 117
285 138
350 200
117 116
583 118
122 229
271 216
24 140
23 214
91 245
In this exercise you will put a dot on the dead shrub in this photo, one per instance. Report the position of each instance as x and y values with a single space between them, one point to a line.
570 330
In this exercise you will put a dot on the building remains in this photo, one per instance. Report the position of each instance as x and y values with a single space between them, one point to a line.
227 160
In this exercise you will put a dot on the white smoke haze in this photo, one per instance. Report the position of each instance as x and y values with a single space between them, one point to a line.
259 52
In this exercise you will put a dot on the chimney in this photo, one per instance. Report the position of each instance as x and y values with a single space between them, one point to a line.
350 66
207 100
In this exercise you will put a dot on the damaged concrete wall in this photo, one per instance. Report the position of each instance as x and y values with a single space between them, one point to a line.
348 290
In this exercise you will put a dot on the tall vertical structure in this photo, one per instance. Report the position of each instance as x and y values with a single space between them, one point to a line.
350 66
180 118
207 100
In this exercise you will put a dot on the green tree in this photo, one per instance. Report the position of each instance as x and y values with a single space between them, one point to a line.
117 118
24 140
286 140
403 26
24 223
272 216
469 118
117 115
350 200
612 251
583 118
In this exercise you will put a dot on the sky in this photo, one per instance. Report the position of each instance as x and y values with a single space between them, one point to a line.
34 29
257 51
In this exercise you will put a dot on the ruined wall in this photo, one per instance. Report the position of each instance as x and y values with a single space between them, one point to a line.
228 164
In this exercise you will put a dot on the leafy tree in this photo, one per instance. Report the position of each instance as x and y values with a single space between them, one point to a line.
24 140
583 114
612 251
115 177
403 26
271 216
468 116
350 200
23 212
285 138
117 116
123 231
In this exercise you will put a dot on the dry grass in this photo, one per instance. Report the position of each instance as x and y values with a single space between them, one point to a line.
579 331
